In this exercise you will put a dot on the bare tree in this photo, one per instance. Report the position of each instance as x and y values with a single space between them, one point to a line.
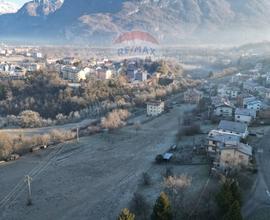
6 145
115 119
176 186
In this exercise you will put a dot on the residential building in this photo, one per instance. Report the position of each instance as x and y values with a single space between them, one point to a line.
103 73
267 94
69 71
193 96
33 67
233 156
155 108
141 75
237 128
224 110
250 86
218 140
80 75
244 115
255 105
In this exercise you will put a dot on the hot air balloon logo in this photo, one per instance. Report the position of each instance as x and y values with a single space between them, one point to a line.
136 43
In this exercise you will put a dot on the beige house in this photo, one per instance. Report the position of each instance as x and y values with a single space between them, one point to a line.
218 140
103 73
155 108
193 96
235 156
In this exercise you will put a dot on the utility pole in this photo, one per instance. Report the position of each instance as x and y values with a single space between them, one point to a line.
78 138
28 181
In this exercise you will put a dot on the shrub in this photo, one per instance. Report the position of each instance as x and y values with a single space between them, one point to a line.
30 119
6 145
146 179
126 215
189 131
115 119
159 158
162 209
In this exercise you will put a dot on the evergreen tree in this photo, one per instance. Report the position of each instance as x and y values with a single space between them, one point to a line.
126 215
224 198
235 192
229 200
234 212
162 209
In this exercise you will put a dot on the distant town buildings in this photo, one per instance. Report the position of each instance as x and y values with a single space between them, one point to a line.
193 96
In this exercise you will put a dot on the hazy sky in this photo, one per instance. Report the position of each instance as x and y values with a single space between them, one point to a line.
18 2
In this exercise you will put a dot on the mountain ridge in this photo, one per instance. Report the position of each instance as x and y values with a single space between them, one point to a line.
168 20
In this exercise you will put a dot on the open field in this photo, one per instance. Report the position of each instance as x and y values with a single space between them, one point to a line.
92 179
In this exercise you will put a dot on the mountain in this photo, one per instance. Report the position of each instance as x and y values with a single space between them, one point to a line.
171 21
8 7
40 7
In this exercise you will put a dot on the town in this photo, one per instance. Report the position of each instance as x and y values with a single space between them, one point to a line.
155 127
134 110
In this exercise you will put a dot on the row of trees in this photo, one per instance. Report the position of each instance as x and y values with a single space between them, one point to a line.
171 204
20 144
162 210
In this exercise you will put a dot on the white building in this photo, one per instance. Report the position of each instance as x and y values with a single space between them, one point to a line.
32 67
255 105
245 115
68 71
81 75
155 108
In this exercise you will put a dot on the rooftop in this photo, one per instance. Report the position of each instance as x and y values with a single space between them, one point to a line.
246 112
232 126
155 103
243 148
223 137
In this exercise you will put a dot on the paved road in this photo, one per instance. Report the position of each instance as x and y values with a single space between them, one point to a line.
37 131
258 205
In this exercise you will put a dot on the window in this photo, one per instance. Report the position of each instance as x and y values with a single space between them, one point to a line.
241 157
